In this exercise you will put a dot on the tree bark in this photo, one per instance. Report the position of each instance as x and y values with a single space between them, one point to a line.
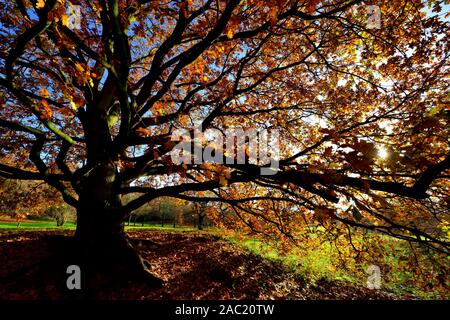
104 250
201 216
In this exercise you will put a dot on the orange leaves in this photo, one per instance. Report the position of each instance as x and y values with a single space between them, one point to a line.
311 6
83 75
43 93
199 68
184 120
124 165
40 4
223 182
273 15
78 101
46 111
65 19
328 151
143 132
160 108
216 172
273 9
73 106
139 30
230 34
74 103
198 177
79 67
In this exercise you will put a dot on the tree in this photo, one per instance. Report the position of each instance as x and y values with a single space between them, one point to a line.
59 212
20 199
200 215
11 195
177 207
361 111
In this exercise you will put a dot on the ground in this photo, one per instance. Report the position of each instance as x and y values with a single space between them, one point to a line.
193 265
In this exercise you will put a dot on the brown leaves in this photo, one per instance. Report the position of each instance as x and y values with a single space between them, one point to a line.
363 155
143 132
44 93
216 172
358 163
328 151
323 214
46 111
193 266
273 15
311 6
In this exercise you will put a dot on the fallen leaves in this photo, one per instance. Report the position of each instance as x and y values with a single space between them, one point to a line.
193 265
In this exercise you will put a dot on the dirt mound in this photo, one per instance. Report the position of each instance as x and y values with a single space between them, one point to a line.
192 265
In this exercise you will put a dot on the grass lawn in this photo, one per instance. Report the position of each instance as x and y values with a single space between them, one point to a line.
35 225
71 226
322 262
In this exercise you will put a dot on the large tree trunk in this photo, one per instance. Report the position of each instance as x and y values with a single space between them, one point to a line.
104 249
102 246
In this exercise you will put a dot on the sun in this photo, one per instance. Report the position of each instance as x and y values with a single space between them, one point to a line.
383 153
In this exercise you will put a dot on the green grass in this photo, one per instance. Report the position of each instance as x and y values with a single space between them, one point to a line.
71 226
35 225
315 265
322 262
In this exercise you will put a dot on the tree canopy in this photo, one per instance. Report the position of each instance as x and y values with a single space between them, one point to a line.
91 99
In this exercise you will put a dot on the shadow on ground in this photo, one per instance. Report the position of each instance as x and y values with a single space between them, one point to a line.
192 265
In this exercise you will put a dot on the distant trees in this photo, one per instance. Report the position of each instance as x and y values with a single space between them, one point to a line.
11 196
163 211
60 212
20 199
200 215
166 209
57 214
